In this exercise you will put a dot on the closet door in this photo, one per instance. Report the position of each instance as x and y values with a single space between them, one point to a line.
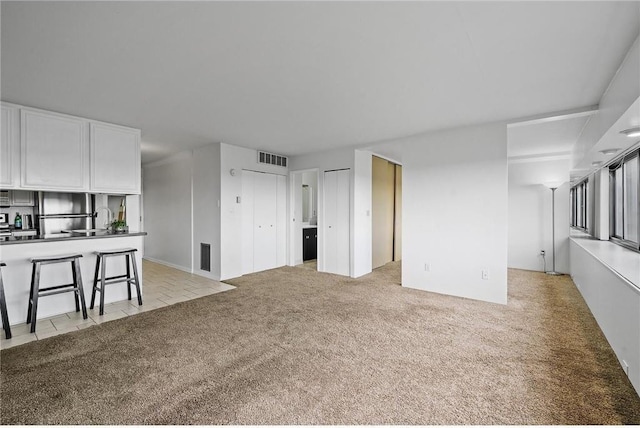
281 229
248 179
265 222
337 231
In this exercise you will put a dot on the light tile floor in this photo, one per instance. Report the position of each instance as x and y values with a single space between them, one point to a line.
162 286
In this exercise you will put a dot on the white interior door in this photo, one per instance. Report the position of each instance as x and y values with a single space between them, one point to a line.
265 216
337 230
248 179
281 220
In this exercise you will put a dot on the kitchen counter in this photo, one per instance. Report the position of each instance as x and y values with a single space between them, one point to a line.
16 274
7 240
309 226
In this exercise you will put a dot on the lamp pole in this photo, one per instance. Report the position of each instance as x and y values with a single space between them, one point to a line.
553 232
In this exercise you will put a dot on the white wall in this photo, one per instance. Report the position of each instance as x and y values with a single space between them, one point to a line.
325 161
362 242
530 215
454 212
236 158
206 209
167 210
310 178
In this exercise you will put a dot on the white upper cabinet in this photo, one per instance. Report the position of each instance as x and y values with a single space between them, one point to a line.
54 151
9 149
115 159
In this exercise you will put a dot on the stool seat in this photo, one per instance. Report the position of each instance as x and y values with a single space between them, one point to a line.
3 307
36 292
101 280
116 252
56 259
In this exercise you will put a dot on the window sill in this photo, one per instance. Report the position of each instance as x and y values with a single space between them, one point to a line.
622 261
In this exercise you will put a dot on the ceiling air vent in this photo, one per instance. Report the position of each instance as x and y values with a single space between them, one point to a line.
272 159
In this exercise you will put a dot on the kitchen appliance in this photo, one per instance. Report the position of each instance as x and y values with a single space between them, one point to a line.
27 221
4 225
57 212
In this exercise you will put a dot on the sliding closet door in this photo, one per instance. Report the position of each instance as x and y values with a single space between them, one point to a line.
382 211
265 214
336 230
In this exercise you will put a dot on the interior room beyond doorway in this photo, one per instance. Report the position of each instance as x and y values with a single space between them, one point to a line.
386 212
305 218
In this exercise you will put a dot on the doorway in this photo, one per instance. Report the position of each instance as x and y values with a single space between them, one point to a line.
386 212
304 205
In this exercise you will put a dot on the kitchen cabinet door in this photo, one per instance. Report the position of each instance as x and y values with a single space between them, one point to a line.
22 198
115 159
9 149
309 243
54 151
337 229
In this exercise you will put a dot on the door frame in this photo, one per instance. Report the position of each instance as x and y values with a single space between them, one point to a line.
293 222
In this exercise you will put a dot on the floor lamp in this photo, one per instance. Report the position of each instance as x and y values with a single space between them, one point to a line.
553 187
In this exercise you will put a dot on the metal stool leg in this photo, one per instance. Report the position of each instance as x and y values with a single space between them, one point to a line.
103 279
3 310
33 275
135 275
75 282
80 287
36 288
95 281
128 276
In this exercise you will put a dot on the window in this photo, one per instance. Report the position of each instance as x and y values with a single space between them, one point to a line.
625 214
579 205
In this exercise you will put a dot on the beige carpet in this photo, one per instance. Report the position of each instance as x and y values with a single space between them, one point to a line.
292 346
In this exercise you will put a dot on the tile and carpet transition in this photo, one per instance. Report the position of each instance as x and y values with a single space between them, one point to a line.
293 346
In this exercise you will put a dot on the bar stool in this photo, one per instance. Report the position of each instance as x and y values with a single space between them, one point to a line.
101 275
36 292
3 307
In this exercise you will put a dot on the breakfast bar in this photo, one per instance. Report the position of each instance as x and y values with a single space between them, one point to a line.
17 251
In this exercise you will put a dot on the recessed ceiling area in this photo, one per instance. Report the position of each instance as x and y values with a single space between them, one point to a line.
544 139
296 78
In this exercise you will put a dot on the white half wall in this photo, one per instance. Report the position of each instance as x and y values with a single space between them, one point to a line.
454 212
168 210
530 215
206 208
362 242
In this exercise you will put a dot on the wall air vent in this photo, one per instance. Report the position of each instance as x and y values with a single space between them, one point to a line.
272 159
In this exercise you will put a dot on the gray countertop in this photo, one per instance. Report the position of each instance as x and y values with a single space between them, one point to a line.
6 240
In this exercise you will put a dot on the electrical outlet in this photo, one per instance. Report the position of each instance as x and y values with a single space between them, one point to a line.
485 273
542 252
427 267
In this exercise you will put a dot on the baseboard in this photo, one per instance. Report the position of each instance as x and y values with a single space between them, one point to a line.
171 265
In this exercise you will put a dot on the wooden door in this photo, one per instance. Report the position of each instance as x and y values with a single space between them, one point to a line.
382 211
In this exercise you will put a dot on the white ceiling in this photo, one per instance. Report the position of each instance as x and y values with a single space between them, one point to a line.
302 77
